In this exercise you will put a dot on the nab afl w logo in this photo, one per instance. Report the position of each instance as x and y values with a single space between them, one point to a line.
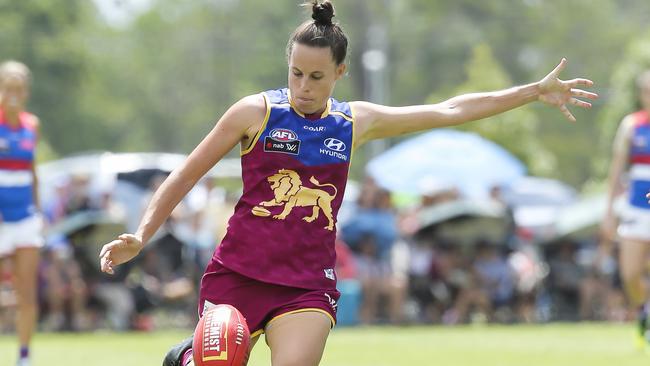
334 144
282 140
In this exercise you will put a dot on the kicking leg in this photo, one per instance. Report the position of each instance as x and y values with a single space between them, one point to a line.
181 353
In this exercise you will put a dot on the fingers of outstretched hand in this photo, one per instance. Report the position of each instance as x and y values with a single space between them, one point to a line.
558 69
579 103
567 113
579 82
583 94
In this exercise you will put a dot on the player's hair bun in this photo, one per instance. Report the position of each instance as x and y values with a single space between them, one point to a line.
322 13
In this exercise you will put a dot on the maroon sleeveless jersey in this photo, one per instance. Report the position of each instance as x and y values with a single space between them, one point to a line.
294 174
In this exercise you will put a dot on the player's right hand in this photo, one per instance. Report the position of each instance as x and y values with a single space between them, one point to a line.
119 251
648 196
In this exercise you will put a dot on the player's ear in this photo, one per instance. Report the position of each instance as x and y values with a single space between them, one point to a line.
340 70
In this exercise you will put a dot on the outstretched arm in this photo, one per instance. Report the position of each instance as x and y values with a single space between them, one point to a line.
230 130
375 121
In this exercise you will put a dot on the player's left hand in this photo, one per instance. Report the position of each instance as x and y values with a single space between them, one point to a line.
559 93
648 196
119 251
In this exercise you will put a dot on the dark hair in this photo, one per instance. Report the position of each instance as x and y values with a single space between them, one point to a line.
321 32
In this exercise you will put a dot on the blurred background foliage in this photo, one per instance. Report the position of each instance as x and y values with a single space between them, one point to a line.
154 75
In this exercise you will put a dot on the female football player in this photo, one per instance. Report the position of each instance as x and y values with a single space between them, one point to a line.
20 223
631 155
276 262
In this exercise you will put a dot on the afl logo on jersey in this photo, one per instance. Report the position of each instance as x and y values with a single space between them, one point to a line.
283 141
283 135
334 144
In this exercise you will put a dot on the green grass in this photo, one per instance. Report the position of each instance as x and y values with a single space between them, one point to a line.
520 345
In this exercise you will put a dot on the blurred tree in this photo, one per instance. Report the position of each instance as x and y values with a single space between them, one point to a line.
515 130
160 81
46 36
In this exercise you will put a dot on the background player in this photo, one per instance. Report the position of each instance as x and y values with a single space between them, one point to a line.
631 153
20 223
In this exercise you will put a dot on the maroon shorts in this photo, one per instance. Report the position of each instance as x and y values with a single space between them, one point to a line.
260 302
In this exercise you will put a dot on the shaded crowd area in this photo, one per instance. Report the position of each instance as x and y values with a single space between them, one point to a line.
526 253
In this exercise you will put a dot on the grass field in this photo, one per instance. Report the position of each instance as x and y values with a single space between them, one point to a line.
539 345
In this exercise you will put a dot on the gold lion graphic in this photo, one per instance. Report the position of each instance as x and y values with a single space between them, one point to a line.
289 191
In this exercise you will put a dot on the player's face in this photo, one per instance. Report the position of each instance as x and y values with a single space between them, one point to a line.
312 76
14 92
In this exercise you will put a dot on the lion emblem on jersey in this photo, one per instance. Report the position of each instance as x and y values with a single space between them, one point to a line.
289 191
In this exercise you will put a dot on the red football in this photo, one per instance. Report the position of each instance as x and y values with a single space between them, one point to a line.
221 338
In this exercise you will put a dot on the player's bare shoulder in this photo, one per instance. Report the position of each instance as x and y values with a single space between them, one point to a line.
32 121
626 127
251 112
624 134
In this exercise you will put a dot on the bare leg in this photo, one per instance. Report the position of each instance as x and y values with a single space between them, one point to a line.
55 300
253 342
633 255
298 339
78 299
588 290
370 297
25 272
397 288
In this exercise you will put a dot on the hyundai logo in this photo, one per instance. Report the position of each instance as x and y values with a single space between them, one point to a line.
334 144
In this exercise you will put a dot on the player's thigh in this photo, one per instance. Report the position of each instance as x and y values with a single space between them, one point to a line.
633 257
298 339
25 269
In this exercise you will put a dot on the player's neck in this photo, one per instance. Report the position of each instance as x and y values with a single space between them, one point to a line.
316 115
10 115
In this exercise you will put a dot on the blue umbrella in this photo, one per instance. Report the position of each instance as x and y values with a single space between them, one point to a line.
444 159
